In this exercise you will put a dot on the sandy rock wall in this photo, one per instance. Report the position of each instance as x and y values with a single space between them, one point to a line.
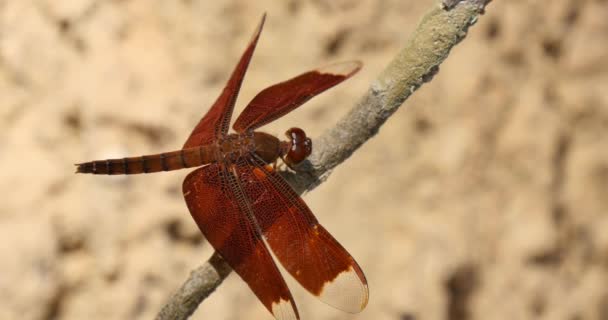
485 197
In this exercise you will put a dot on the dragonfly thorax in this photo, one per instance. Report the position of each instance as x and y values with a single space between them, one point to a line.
292 151
267 146
235 146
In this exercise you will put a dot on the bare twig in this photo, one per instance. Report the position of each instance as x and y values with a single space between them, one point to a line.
201 283
444 26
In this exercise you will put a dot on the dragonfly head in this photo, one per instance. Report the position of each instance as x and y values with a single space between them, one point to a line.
297 148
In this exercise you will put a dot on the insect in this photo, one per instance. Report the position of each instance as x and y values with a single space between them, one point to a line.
244 207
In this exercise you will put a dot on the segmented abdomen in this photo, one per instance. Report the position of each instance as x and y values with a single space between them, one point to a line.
167 161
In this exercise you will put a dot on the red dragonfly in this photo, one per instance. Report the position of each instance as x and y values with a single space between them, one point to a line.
244 207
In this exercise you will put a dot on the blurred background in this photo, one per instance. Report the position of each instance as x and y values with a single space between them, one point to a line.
484 197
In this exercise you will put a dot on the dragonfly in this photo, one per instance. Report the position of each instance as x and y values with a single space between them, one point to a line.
243 206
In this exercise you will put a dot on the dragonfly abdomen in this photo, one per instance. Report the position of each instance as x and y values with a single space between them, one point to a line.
168 161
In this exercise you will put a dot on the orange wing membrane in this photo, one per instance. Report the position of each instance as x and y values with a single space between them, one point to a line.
217 120
281 98
218 205
306 250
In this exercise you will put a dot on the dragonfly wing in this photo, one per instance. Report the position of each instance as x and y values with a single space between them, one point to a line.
217 120
281 98
222 213
306 250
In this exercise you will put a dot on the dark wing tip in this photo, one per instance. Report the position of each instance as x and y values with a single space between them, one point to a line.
258 29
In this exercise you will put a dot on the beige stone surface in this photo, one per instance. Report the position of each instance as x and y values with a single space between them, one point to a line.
484 197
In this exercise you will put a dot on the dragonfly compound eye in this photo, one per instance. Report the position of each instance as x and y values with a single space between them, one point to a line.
300 146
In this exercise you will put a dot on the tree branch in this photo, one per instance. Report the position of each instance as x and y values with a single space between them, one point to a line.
200 284
443 27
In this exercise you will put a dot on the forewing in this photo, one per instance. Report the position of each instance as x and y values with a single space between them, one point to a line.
281 98
216 203
217 120
310 254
